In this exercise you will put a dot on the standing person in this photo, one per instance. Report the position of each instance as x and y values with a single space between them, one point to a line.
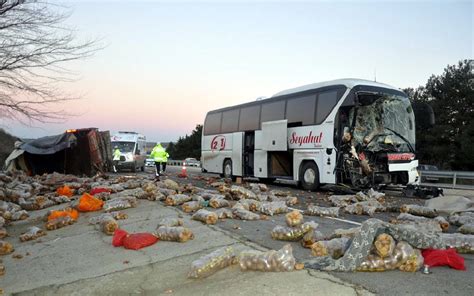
160 156
116 157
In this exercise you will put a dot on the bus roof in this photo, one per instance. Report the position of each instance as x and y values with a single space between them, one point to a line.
347 82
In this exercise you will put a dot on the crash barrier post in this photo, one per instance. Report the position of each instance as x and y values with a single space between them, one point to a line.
454 175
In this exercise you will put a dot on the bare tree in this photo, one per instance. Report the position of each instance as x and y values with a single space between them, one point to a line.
34 47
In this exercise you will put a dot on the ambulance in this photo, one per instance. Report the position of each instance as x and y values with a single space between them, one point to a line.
132 150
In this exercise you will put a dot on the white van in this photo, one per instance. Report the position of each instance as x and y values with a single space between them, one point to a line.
132 150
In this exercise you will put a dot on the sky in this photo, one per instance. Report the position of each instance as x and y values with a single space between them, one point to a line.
166 63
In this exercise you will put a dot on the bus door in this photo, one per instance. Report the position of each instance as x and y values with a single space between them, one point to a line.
248 153
275 143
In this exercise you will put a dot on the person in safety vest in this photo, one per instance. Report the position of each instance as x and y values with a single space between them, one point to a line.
116 157
160 156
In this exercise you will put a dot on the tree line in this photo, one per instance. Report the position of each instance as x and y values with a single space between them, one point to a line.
449 143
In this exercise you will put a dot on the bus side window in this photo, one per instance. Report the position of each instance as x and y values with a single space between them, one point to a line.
300 111
326 102
273 111
230 121
212 124
249 118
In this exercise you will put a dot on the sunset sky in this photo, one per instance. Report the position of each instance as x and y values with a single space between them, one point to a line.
167 63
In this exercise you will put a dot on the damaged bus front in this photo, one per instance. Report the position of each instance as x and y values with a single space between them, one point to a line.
376 133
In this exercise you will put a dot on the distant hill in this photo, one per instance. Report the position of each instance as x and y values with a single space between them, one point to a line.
7 144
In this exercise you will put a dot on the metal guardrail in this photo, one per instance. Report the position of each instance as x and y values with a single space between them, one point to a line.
454 175
173 162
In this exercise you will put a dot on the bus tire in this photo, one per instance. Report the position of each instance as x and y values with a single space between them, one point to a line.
142 168
309 176
227 169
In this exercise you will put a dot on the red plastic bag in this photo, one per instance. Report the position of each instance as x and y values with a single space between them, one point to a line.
139 240
447 257
133 241
99 190
119 235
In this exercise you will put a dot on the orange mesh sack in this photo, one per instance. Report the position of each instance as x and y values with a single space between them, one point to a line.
66 212
88 203
64 190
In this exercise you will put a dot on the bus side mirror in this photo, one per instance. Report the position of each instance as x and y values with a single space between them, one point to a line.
137 152
424 115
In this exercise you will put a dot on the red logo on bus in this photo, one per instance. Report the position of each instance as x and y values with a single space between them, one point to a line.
309 139
218 143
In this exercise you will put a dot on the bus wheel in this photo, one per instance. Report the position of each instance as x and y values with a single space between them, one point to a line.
227 168
309 176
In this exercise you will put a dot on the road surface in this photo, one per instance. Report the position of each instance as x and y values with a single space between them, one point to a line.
442 280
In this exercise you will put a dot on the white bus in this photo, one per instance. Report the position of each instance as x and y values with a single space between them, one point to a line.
349 131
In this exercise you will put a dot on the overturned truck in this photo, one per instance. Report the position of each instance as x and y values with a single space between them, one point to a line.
79 151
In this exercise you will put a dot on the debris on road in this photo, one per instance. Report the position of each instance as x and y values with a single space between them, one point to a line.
273 208
6 248
467 228
296 233
335 247
205 216
177 199
376 245
33 233
88 203
294 218
67 212
192 206
213 262
118 204
243 214
133 241
419 211
59 222
171 222
281 260
314 210
174 233
447 257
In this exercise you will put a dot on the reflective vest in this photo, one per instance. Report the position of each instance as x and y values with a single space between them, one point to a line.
159 154
116 154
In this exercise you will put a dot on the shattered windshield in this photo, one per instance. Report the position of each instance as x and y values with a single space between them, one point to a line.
124 147
385 125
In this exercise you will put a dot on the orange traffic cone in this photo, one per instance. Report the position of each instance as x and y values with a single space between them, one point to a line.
183 173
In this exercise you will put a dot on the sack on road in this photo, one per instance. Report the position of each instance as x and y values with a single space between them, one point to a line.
211 263
281 260
88 203
134 241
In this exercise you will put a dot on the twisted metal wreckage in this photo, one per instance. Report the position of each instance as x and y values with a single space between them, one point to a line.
374 136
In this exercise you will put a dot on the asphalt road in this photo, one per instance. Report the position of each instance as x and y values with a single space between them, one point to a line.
442 280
